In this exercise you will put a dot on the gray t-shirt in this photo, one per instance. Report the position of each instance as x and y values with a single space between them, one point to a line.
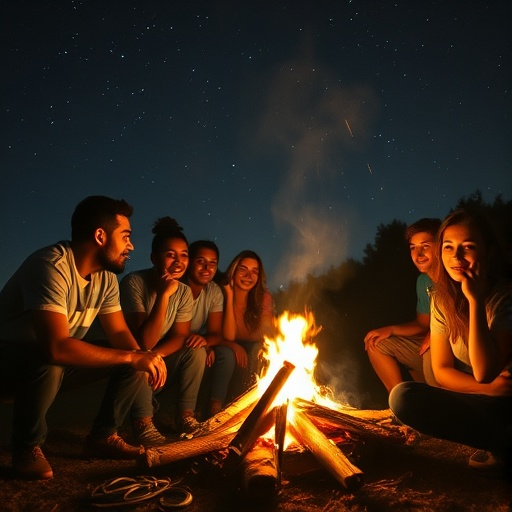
138 295
210 300
49 281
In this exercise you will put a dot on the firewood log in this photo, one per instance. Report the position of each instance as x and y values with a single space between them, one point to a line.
251 428
213 434
236 427
326 452
357 423
281 420
260 473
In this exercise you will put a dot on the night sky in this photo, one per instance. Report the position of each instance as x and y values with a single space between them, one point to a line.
293 128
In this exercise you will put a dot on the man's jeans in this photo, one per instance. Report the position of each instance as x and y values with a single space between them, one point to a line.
34 384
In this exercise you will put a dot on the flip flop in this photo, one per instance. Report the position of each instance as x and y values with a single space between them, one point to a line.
176 497
128 491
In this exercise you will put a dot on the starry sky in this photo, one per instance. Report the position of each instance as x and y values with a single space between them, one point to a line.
293 128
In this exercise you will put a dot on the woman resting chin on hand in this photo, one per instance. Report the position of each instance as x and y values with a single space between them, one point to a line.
471 346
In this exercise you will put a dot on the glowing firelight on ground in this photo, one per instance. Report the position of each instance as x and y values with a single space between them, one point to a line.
294 343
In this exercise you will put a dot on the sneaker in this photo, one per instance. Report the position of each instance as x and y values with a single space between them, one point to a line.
189 424
485 462
113 447
146 433
31 464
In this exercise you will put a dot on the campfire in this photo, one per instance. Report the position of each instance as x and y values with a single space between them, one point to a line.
285 408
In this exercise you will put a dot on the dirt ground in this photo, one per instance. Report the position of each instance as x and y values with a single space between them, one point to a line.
430 475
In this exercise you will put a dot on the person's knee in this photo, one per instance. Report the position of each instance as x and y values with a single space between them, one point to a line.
399 398
48 376
195 357
386 347
224 356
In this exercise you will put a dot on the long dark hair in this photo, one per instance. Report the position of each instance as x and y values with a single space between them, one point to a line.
252 315
448 295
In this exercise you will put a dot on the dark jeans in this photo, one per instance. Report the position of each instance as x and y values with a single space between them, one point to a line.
225 365
481 421
186 366
34 384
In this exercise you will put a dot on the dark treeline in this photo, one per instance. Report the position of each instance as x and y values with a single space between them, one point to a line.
357 296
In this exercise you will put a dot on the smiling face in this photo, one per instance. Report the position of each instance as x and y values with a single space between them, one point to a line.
115 253
462 248
246 274
172 258
203 266
421 246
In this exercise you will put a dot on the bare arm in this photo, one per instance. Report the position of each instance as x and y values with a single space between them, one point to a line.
450 378
213 334
214 328
174 340
229 322
229 328
418 326
52 333
118 333
488 352
147 327
268 326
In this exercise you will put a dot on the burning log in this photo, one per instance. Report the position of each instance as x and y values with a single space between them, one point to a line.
217 432
251 428
260 470
223 418
213 434
358 423
326 452
281 413
262 463
200 445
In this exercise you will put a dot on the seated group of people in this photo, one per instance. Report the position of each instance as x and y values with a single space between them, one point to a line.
174 319
458 349
160 325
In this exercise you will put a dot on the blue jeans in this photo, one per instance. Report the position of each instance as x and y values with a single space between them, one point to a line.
186 367
224 367
34 384
222 371
481 421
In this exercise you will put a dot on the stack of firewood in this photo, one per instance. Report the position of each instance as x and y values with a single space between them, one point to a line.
243 429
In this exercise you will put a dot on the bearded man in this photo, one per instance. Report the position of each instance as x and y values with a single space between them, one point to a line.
46 309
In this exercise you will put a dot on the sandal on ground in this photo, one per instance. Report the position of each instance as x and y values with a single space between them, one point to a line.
128 491
485 462
176 497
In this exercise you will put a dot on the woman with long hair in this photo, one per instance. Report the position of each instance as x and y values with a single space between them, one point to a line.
471 346
248 317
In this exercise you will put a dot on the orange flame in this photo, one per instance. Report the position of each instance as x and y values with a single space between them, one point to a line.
294 343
